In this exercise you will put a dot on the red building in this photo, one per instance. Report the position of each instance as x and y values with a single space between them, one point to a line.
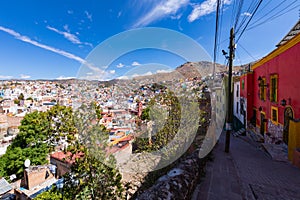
271 90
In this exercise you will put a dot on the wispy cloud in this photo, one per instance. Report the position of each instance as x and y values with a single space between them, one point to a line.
5 77
71 56
26 39
70 12
69 36
123 77
119 14
66 27
176 16
23 76
205 8
88 15
120 65
161 10
64 77
163 71
112 71
144 74
135 63
246 14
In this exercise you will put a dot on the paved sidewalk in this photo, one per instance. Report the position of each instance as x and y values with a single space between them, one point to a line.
247 172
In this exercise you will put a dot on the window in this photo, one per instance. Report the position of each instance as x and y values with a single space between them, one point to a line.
237 107
274 115
273 87
243 84
262 89
237 90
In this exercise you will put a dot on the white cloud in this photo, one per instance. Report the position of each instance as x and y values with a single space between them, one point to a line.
176 16
70 12
120 65
26 39
205 8
71 56
65 77
123 77
23 76
163 71
5 77
112 71
66 27
145 74
119 14
161 10
135 63
88 15
67 35
246 14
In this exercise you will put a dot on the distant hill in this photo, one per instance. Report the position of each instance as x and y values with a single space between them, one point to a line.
185 71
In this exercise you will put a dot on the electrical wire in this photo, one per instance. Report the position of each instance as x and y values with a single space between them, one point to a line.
276 15
248 21
216 33
275 8
238 14
251 9
247 51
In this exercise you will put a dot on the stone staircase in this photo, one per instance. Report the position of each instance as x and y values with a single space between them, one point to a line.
241 132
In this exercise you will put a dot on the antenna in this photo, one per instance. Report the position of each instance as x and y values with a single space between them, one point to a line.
27 163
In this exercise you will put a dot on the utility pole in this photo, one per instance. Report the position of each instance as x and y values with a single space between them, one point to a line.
229 116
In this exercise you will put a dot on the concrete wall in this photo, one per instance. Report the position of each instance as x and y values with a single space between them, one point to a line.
294 138
36 175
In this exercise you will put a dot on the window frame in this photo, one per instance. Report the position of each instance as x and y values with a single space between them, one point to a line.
262 89
273 108
272 77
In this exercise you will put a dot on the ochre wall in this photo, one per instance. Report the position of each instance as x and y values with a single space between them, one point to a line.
294 138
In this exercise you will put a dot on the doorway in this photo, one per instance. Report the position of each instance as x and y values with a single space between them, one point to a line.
262 123
288 115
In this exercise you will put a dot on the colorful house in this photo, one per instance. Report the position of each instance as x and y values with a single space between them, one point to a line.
271 91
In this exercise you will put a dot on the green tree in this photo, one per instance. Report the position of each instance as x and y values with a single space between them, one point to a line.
38 131
62 124
49 195
21 96
29 99
94 175
146 114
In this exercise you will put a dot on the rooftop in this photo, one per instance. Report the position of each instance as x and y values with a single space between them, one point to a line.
293 32
4 186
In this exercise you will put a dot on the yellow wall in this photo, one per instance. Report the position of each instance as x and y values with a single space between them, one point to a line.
294 138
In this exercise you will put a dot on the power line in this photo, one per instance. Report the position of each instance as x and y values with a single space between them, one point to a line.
276 15
250 10
233 13
220 27
247 51
237 17
216 33
273 9
249 21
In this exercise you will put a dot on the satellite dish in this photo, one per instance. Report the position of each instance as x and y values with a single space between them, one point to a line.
27 163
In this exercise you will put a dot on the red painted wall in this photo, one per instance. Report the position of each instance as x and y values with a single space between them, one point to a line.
247 92
287 66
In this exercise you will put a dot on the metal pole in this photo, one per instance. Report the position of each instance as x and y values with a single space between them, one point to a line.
229 117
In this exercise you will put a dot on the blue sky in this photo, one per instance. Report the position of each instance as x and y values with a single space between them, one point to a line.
52 39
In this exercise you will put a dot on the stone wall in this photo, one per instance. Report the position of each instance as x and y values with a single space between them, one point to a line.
179 183
274 133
